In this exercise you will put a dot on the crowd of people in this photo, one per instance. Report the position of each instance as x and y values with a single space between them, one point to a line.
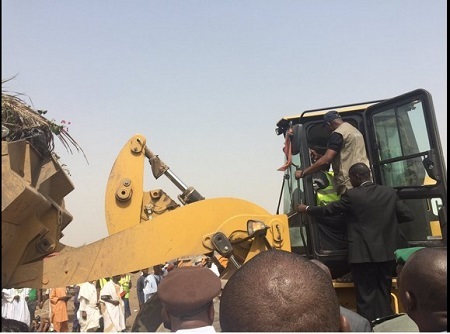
276 291
98 306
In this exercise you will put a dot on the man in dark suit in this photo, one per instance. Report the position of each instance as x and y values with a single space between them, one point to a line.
374 212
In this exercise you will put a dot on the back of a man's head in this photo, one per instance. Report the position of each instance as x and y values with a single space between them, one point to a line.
12 325
423 288
279 291
359 169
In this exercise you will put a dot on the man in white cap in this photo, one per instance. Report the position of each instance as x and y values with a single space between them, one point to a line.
186 295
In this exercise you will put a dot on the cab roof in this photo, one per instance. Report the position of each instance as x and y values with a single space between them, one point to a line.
284 123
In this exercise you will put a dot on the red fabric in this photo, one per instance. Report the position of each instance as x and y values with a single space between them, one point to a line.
287 151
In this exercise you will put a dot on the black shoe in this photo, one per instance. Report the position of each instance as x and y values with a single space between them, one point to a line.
347 278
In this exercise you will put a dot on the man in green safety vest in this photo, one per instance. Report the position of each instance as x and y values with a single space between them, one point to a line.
103 281
327 194
332 230
125 283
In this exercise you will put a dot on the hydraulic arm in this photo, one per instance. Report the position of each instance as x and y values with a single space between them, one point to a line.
126 204
148 228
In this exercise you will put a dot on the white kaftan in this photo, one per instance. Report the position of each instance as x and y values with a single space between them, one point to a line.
113 316
87 296
13 308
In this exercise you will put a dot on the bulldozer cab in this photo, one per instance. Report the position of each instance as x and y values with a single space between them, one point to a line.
403 146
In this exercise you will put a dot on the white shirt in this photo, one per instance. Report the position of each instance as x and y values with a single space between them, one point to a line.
209 329
214 269
150 286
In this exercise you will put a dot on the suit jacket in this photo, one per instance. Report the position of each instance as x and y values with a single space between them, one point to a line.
373 214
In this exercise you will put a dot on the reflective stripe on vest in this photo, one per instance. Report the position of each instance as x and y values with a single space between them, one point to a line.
328 194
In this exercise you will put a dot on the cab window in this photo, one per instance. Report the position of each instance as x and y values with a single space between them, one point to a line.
402 144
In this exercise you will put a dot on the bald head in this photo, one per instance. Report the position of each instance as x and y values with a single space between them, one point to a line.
423 288
278 291
358 173
359 169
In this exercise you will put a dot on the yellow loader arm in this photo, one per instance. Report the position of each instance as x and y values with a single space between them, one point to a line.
149 228
182 232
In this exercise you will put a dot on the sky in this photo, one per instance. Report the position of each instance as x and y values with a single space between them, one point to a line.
206 82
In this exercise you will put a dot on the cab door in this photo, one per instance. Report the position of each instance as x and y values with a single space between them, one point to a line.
405 151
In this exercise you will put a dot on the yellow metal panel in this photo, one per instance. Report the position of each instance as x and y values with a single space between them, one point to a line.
124 191
435 228
347 297
33 212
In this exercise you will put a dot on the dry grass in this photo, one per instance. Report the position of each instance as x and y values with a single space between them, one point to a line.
22 122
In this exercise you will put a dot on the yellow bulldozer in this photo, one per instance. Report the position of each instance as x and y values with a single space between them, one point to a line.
148 222
404 149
